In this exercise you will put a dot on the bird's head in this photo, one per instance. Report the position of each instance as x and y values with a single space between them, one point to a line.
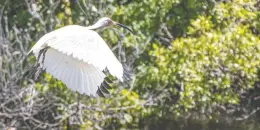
106 22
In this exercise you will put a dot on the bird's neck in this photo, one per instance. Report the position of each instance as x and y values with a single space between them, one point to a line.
95 26
91 27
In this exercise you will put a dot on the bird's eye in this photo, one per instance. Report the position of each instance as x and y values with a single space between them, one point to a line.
106 22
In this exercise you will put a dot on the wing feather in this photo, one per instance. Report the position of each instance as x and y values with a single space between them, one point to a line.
61 70
77 75
76 83
73 75
93 77
81 82
87 81
65 76
77 56
91 83
55 66
88 46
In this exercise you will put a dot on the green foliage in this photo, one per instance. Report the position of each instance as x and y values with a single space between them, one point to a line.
212 60
191 57
212 65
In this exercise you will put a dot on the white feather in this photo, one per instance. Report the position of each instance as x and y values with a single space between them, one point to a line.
75 85
72 76
77 56
80 83
77 75
84 45
86 81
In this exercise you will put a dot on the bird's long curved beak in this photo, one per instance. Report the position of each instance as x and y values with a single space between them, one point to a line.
125 27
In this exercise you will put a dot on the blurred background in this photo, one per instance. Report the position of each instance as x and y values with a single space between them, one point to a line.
195 65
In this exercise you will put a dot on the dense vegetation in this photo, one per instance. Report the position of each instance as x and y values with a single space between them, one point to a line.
195 65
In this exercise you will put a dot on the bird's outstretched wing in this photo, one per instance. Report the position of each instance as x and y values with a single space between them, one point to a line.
77 57
77 75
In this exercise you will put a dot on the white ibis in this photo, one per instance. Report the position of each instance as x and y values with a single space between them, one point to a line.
77 56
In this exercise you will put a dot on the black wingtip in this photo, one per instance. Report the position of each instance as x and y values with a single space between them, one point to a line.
38 67
127 75
33 72
106 85
108 80
100 93
104 88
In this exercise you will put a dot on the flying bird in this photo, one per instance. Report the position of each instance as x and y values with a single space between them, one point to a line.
78 57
